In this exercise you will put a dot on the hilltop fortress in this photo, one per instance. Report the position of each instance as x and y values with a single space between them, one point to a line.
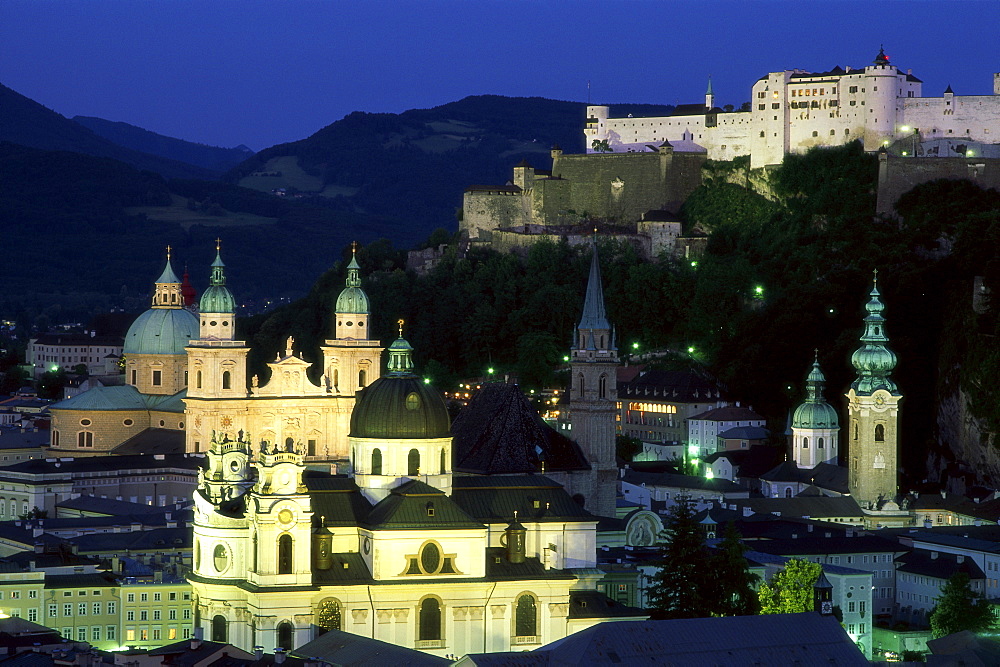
637 172
794 110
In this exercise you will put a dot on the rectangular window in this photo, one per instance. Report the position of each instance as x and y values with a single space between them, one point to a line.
143 597
32 595
81 634
157 378
130 635
67 609
156 614
95 633
82 609
131 596
143 615
97 608
129 615
110 632
172 615
173 596
187 614
53 610
111 608
156 596
156 633
172 633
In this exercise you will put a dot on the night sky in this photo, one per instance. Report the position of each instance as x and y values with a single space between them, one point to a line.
265 72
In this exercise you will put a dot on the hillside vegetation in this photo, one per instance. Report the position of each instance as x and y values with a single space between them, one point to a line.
811 246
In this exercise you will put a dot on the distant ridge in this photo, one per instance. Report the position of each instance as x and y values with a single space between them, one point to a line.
139 139
28 123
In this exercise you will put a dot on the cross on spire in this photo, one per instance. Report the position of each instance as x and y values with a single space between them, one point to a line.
400 323
354 247
168 253
218 244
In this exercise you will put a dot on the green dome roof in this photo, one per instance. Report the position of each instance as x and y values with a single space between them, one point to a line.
815 412
397 406
217 298
161 331
353 300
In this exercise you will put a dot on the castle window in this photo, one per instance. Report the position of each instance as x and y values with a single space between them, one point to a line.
285 554
376 462
879 433
430 620
198 379
227 380
157 378
185 378
219 629
413 463
328 615
285 632
526 617
55 438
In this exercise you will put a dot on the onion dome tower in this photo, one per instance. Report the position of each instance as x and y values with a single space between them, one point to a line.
217 306
154 345
873 415
815 426
400 430
594 395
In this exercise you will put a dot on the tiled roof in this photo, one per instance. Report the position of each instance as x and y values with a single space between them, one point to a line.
499 568
347 568
107 506
138 540
816 542
675 386
730 413
499 432
938 565
824 475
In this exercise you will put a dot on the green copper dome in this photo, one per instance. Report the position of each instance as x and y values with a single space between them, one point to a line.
217 298
161 331
353 300
815 412
873 360
400 405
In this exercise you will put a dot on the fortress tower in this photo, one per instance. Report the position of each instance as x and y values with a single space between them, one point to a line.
594 394
873 416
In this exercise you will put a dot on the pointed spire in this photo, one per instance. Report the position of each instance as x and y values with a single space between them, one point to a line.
594 315
218 276
353 268
168 275
881 58
874 361
709 91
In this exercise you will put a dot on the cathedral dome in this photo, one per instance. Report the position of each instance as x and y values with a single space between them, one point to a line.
161 331
399 405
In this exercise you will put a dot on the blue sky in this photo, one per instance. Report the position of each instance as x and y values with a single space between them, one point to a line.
265 72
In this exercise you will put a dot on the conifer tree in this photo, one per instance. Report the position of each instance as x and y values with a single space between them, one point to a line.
681 587
960 608
732 582
790 590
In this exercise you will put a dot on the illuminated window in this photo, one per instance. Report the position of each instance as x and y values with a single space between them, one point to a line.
328 615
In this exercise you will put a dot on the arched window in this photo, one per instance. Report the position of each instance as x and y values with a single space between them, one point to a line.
84 439
362 375
227 380
198 379
819 444
289 444
443 468
525 617
430 620
581 385
788 492
805 443
285 554
254 557
413 463
602 387
328 615
285 632
336 377
879 433
377 462
219 630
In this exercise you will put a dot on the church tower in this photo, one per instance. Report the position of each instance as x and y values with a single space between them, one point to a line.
815 427
594 394
217 362
351 358
873 415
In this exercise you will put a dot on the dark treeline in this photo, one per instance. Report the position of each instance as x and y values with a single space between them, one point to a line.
810 245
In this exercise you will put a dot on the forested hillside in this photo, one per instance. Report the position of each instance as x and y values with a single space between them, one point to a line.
811 248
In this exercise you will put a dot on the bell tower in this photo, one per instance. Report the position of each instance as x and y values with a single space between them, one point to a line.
593 394
815 427
873 415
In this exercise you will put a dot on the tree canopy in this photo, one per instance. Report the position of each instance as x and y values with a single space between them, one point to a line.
960 608
790 591
680 588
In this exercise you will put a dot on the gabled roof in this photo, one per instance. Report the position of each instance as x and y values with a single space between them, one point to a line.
674 386
730 413
416 505
499 432
107 506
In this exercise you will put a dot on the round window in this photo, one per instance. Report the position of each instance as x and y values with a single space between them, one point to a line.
213 323
220 558
430 558
350 323
162 423
128 422
412 401
234 465
84 422
180 425
225 323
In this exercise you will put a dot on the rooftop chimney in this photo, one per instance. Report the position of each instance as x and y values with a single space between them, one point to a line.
279 656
